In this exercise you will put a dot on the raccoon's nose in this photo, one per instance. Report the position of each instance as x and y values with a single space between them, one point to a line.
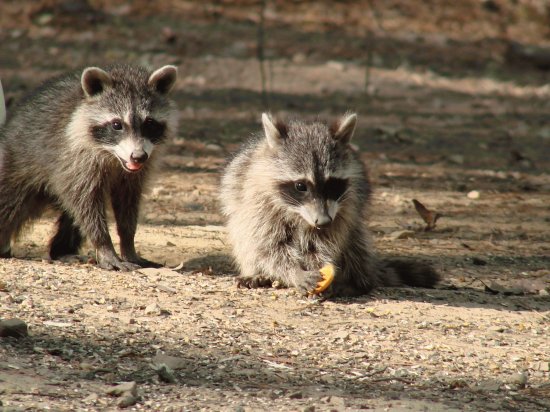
139 156
322 221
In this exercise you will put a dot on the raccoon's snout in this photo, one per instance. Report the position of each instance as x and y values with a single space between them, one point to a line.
316 215
139 156
323 221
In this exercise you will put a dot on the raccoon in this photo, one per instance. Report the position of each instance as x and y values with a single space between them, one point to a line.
78 142
296 199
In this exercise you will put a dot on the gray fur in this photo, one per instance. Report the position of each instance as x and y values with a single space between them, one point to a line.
60 148
278 238
2 106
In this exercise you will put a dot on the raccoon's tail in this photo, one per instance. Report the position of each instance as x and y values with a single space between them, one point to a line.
412 273
2 106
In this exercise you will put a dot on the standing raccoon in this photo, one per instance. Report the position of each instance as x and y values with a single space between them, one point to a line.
295 200
77 142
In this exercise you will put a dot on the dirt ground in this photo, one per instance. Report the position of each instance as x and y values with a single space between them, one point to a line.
446 118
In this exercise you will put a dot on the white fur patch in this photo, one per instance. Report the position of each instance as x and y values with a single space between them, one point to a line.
306 215
77 129
100 117
332 208
126 147
148 147
128 118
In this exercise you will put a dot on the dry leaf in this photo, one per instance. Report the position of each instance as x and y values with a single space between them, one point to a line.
429 216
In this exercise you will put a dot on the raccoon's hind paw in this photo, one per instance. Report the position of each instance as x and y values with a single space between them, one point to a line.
253 282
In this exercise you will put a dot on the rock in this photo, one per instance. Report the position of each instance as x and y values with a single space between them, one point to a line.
214 147
165 374
127 399
173 362
488 386
92 397
457 159
296 395
527 54
478 261
519 379
310 408
474 194
15 328
299 58
153 309
499 329
544 133
118 390
543 366
333 64
401 234
338 401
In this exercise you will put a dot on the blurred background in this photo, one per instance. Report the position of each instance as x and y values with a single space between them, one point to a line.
461 82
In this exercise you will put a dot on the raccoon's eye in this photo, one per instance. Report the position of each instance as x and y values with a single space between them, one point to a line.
300 186
116 125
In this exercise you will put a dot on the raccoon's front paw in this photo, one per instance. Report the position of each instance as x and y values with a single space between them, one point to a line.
306 281
252 282
114 263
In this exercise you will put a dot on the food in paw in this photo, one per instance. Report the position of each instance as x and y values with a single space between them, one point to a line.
327 272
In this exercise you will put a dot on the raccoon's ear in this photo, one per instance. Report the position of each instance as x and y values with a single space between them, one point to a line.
163 79
94 81
275 131
343 129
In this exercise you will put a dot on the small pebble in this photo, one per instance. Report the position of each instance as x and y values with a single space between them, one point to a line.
127 399
401 234
474 194
519 379
153 309
165 374
15 328
118 390
478 261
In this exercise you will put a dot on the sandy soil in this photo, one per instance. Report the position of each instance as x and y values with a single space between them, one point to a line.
431 128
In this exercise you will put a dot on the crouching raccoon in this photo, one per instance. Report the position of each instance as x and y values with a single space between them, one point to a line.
296 199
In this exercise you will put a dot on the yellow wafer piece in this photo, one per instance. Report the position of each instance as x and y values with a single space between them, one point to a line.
327 272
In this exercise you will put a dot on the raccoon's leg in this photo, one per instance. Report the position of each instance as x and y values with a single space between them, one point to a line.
125 198
16 207
86 203
67 240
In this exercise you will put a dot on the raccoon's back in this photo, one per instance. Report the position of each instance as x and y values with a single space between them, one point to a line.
235 177
41 116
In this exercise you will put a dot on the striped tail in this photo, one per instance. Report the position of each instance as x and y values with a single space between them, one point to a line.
413 273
